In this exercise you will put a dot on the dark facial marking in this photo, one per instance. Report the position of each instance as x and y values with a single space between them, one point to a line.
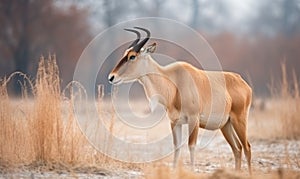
128 56
121 62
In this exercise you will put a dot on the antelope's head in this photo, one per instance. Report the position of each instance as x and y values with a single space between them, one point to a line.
134 61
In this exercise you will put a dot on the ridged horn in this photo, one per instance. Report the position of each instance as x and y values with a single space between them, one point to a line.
138 37
140 45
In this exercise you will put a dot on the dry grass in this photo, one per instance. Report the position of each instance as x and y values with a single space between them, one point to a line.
40 130
278 117
289 106
32 129
164 172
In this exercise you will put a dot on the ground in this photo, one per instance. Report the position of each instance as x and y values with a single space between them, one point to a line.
270 154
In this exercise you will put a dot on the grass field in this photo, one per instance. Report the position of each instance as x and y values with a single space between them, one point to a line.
40 137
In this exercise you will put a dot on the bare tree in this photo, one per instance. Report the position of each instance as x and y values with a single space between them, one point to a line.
201 19
277 16
195 14
30 28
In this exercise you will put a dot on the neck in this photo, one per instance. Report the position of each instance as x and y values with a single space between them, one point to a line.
152 67
157 86
151 77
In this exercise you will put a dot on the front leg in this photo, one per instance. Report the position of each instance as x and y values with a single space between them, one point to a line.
193 134
177 138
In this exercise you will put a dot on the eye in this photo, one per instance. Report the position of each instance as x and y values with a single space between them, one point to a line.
132 57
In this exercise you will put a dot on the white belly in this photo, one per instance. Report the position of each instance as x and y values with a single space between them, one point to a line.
213 121
210 122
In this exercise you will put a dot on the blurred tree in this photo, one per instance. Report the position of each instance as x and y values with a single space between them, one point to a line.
154 8
195 14
210 16
30 28
113 10
277 16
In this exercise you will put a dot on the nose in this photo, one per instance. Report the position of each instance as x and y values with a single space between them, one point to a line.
111 78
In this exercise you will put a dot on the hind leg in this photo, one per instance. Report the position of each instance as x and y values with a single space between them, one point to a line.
239 123
233 141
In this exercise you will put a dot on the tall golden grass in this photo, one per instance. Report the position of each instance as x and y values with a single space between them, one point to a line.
278 116
286 102
41 129
36 133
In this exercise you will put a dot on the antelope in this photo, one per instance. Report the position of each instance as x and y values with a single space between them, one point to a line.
190 96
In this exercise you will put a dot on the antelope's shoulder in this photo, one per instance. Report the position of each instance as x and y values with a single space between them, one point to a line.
234 79
232 76
181 66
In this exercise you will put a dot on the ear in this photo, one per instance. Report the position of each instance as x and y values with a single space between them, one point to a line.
151 48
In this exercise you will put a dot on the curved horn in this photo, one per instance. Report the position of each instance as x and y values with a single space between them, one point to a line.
138 46
138 36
